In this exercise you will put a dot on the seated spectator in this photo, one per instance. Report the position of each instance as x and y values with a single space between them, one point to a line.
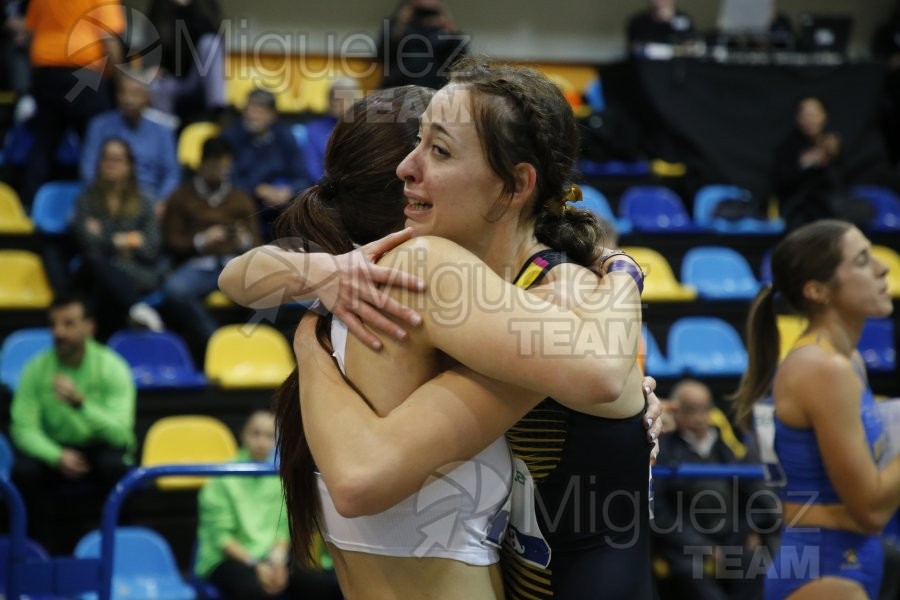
268 164
421 43
118 237
343 93
242 534
152 141
206 223
72 416
660 23
709 548
809 177
192 73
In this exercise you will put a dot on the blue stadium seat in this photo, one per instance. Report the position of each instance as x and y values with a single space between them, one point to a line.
54 205
613 168
143 565
7 458
594 201
706 346
718 273
158 360
18 349
301 136
710 196
656 365
655 209
765 268
33 552
886 204
876 345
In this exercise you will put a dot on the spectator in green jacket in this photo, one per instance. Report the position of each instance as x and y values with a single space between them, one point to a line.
242 535
72 416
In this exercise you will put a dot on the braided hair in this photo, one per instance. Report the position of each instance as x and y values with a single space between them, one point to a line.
522 117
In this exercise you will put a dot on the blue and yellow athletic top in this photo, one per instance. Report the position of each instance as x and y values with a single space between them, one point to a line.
798 450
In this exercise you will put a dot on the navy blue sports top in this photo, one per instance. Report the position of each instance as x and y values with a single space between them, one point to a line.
798 450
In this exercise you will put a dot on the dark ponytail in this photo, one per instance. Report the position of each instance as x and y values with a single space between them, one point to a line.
762 349
359 200
577 232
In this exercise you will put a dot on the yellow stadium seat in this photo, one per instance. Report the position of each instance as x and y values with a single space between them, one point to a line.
718 419
660 284
248 356
23 283
187 439
892 260
218 300
190 142
13 219
790 328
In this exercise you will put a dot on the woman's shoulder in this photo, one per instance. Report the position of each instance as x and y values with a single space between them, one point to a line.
813 372
427 252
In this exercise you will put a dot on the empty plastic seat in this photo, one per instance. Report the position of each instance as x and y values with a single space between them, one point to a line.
217 299
6 459
158 360
765 268
790 328
892 260
301 135
248 356
710 196
886 204
613 168
190 142
18 349
34 552
13 220
660 284
187 439
718 273
594 201
23 283
655 209
706 346
876 345
657 364
143 565
54 206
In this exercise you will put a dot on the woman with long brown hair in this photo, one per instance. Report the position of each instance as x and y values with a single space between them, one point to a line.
118 237
828 433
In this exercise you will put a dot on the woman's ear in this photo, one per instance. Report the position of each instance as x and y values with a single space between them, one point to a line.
816 292
526 182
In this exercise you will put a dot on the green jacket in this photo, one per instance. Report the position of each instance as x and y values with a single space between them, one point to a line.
42 424
247 510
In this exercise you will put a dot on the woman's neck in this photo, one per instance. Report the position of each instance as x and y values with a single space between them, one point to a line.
507 249
841 331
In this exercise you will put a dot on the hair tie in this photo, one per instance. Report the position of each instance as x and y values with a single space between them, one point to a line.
328 186
570 195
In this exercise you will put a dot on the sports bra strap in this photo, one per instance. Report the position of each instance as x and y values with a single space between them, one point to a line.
538 265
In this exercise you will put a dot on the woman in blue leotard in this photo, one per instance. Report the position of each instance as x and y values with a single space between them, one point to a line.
828 433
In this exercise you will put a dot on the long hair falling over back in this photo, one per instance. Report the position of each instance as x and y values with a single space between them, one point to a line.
360 199
811 253
522 117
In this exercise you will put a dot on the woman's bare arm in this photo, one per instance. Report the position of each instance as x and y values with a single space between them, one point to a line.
348 285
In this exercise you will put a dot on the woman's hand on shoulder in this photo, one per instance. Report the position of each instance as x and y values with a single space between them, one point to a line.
355 291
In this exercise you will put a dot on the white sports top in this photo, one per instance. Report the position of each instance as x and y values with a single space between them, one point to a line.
448 518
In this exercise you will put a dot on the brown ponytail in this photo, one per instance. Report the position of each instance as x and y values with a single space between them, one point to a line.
762 350
359 200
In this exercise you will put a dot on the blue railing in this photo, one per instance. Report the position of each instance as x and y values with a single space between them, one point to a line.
67 576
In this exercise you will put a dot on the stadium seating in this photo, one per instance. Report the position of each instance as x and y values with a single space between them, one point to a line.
594 201
718 273
706 346
23 284
190 142
187 439
7 458
18 349
886 205
710 196
790 328
143 565
660 284
250 356
892 260
34 552
54 206
158 360
876 345
657 365
655 209
13 220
